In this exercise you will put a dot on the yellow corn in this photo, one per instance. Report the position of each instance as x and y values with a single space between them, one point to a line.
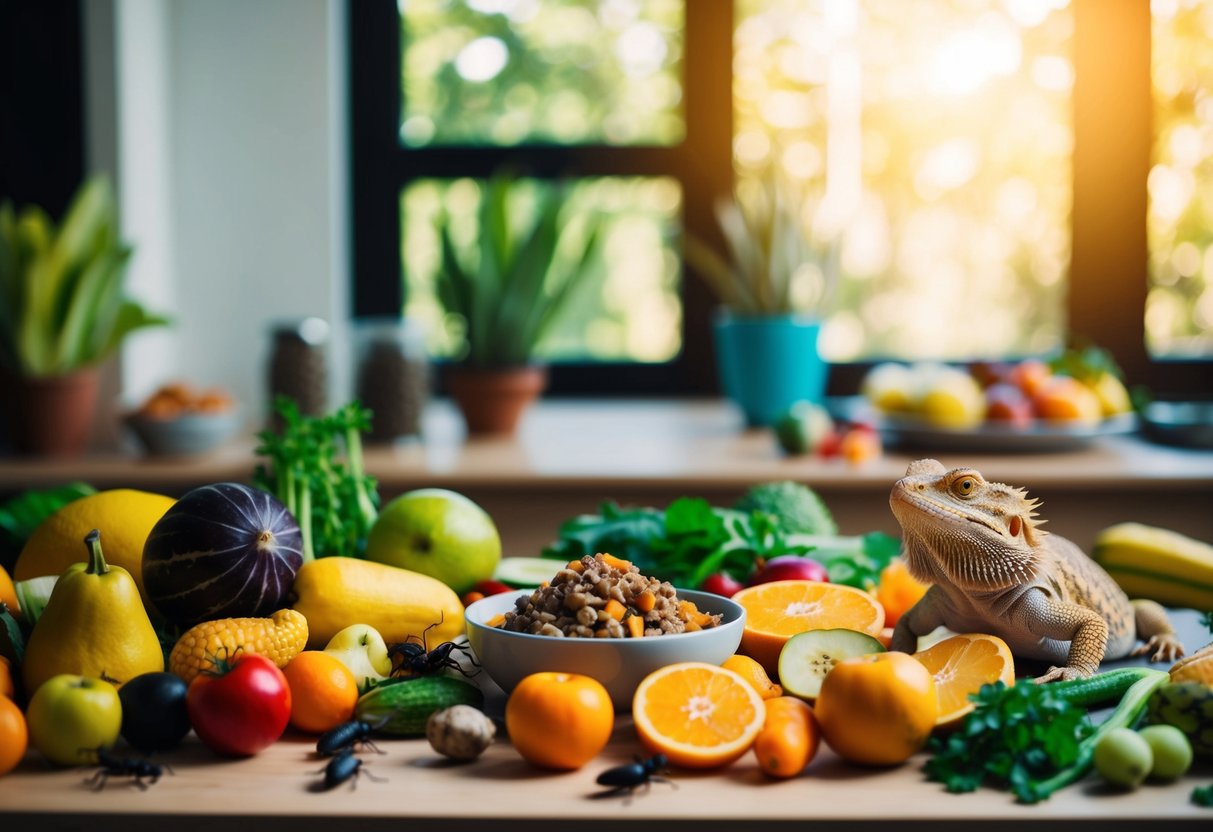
279 638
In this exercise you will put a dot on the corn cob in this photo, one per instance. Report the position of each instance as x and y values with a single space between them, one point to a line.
279 638
1160 564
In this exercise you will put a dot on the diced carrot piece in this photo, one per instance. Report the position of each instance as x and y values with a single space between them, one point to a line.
645 601
635 625
576 565
686 609
693 627
617 563
615 609
496 620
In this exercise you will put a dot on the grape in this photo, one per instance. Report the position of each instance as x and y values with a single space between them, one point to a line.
1123 758
1171 749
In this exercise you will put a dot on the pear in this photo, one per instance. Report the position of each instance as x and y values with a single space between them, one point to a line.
94 625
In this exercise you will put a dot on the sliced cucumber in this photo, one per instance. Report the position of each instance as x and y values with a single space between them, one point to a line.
807 657
524 573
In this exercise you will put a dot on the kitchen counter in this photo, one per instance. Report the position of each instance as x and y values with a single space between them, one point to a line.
569 456
276 790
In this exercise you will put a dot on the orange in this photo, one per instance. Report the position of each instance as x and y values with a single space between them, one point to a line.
754 673
960 665
323 691
14 735
559 720
8 688
778 610
8 593
897 591
1195 668
698 715
877 710
789 737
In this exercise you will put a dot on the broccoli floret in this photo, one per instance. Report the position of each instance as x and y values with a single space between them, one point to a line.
799 509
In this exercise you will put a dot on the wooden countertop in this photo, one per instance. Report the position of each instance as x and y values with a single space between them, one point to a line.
570 455
276 791
633 444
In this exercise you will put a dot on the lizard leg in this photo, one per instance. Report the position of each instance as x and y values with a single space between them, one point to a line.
1154 628
922 618
1085 629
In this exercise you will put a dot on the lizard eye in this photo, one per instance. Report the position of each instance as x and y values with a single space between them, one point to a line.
965 486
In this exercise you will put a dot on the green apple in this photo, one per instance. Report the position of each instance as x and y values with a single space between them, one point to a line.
362 649
70 717
439 533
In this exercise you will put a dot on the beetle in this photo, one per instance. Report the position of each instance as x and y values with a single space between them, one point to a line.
341 739
345 766
417 659
140 770
630 776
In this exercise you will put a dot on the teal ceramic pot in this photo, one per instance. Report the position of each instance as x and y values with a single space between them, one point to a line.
767 363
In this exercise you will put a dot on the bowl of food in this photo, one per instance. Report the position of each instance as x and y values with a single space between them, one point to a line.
176 420
529 631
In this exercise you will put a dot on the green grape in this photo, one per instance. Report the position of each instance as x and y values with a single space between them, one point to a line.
1123 758
1171 749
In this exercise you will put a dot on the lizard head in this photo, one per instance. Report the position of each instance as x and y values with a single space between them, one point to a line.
958 527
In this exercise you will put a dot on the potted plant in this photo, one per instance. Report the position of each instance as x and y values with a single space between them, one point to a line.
774 287
506 293
62 312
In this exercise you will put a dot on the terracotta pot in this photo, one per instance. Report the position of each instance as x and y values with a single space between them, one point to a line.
493 401
51 416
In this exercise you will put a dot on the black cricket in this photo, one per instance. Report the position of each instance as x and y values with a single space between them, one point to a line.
345 766
629 776
416 659
140 770
344 737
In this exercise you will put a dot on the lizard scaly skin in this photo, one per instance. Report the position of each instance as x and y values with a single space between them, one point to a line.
992 569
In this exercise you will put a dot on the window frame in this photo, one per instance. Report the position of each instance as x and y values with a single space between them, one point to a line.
701 164
1109 267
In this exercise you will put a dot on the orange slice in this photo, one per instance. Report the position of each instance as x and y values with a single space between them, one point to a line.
961 665
698 715
776 611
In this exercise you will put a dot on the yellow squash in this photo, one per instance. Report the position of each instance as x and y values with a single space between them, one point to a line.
94 625
1160 564
333 593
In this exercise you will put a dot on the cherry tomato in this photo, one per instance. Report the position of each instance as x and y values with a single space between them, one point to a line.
721 583
242 707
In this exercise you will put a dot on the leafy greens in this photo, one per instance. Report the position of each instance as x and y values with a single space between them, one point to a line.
691 539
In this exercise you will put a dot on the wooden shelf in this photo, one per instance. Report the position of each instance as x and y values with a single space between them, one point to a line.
568 456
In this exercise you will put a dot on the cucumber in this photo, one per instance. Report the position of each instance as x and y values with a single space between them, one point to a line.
807 657
401 707
527 573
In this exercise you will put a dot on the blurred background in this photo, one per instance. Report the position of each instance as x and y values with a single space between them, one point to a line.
996 178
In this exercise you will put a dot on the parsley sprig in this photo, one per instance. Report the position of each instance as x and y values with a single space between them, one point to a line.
1035 739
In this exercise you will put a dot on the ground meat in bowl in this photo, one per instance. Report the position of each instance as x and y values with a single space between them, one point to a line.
605 597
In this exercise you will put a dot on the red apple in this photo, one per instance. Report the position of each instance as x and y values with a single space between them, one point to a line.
790 568
721 583
1007 404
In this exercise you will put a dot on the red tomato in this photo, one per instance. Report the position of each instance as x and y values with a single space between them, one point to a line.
241 709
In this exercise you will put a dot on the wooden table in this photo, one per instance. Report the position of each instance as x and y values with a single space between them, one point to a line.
276 791
569 456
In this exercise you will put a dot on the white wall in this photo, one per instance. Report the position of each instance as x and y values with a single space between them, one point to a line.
230 154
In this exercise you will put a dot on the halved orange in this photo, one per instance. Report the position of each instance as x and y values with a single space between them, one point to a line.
961 665
699 715
776 611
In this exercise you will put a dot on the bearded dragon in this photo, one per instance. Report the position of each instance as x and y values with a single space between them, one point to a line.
992 569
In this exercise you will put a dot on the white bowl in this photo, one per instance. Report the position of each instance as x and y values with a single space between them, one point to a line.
618 663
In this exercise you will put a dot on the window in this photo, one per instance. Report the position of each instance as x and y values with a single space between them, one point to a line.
986 155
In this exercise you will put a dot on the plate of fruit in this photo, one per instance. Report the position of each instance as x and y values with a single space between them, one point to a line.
1028 406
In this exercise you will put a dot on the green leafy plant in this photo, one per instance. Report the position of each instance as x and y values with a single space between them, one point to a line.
1035 739
62 305
334 501
777 264
691 539
515 283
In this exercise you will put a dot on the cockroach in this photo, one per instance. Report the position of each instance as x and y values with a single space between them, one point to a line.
345 766
344 737
140 770
630 776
